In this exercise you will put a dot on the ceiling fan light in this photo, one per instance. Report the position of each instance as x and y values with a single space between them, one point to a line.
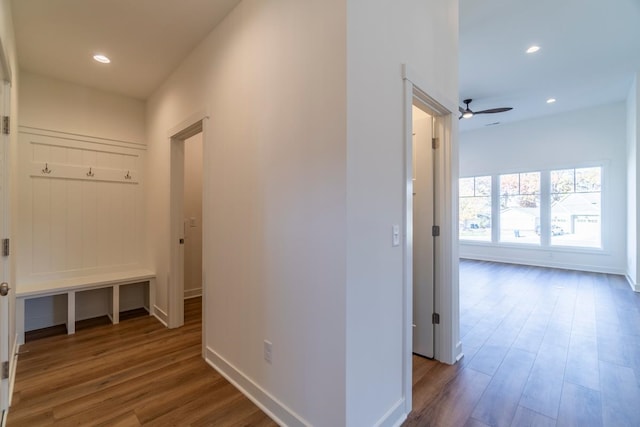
467 115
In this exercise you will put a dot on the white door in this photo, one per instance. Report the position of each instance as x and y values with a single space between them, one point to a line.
423 240
4 299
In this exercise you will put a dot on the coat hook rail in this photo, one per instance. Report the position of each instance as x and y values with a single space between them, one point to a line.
127 176
90 173
46 169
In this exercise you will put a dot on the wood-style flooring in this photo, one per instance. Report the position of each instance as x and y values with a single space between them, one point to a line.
131 374
543 347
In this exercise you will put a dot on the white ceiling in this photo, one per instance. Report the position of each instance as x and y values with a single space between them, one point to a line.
589 48
145 39
589 52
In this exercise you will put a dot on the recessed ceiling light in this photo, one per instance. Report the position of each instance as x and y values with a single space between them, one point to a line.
551 100
101 58
533 49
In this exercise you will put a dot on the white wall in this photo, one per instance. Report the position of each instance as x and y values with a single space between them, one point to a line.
193 216
585 137
633 190
381 36
52 104
272 78
77 227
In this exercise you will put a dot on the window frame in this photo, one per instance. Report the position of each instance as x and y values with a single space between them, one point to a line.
545 210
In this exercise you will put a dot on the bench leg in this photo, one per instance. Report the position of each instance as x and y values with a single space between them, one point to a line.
71 312
116 305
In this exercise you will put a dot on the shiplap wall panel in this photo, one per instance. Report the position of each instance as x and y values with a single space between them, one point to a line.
74 224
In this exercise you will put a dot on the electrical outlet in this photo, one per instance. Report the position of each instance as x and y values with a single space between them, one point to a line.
268 351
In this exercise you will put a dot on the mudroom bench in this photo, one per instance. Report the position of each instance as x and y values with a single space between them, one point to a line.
69 287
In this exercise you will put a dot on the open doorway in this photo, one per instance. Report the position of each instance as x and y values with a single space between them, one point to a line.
430 251
186 286
424 262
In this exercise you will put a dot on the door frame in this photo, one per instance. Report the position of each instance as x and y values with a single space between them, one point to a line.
196 123
448 348
7 344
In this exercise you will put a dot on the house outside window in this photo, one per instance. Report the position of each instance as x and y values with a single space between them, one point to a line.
475 208
520 207
549 208
576 207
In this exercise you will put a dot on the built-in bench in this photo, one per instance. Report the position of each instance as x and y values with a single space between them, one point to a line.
70 286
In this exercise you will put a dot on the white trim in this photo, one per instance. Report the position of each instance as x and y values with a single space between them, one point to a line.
13 368
447 299
159 314
192 293
394 416
80 137
185 126
634 286
275 409
193 124
537 263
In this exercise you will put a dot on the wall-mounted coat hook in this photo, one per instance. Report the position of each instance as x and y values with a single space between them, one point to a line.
46 169
90 173
127 176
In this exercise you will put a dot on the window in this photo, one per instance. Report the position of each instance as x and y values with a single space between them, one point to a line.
552 208
475 208
575 207
520 207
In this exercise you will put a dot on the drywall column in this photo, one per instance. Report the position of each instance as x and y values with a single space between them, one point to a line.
633 190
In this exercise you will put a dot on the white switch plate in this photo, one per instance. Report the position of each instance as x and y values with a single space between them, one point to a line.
268 351
395 231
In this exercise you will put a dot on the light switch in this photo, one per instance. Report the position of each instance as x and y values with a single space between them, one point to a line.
395 235
192 222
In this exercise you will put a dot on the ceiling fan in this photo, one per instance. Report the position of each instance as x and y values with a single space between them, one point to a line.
467 113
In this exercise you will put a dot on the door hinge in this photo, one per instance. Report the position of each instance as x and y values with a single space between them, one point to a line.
5 247
435 318
6 125
434 143
435 230
5 370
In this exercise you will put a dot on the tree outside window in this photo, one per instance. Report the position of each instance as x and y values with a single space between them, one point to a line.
520 207
475 208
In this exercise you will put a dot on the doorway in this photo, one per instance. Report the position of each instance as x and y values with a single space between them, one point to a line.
186 221
4 265
434 307
424 261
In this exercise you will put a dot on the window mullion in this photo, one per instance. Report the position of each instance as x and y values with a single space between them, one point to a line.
545 209
495 208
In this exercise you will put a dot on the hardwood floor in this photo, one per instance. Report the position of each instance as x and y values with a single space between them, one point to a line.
131 374
543 347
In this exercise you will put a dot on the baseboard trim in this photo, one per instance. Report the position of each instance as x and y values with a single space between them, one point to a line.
394 416
634 286
192 293
265 401
161 316
541 263
459 353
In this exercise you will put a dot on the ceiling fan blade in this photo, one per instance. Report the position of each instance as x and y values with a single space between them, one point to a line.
493 110
462 110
